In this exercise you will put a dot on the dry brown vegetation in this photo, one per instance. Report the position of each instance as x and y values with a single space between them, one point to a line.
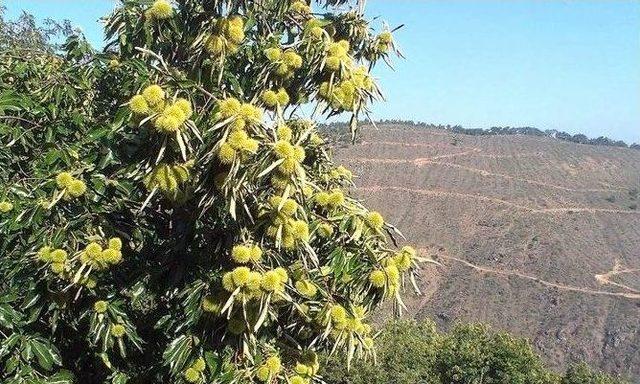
537 236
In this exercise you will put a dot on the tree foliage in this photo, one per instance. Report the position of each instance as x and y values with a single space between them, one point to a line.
24 34
410 352
166 212
581 373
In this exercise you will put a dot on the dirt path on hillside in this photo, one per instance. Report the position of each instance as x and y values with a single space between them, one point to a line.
423 131
485 173
515 156
563 287
449 155
605 278
474 151
439 193
586 209
436 193
405 144
423 161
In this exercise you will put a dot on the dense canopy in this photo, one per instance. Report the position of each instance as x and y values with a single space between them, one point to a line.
168 210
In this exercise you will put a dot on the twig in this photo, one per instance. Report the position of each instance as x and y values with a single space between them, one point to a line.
20 119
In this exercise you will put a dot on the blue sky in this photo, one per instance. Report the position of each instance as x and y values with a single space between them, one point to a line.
566 65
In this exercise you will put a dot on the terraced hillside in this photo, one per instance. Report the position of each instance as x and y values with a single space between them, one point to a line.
534 235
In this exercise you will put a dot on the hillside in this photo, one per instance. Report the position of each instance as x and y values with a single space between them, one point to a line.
537 236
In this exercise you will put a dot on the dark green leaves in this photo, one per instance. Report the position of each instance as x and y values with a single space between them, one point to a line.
45 353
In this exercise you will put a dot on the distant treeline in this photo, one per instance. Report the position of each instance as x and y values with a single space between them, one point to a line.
531 131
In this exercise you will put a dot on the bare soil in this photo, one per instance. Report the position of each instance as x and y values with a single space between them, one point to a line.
536 236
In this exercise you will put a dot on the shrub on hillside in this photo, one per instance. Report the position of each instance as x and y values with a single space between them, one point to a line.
472 352
582 374
410 353
406 352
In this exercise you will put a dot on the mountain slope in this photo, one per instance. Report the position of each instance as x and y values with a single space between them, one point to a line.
537 236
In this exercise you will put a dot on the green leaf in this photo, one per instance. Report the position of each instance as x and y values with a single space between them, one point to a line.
177 353
46 354
9 317
63 377
120 378
214 362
